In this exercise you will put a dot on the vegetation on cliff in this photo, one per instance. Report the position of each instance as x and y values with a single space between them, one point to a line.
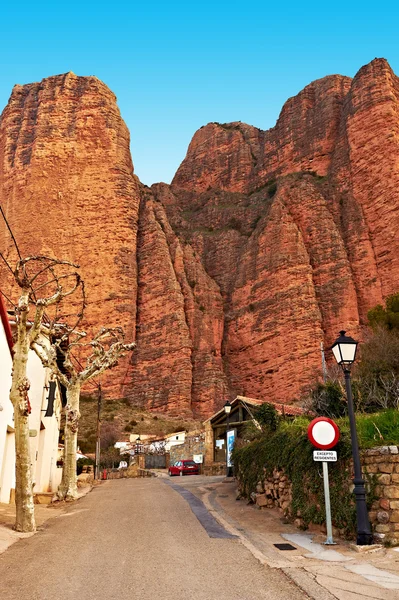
375 377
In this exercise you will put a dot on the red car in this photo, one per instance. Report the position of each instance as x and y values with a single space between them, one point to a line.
184 467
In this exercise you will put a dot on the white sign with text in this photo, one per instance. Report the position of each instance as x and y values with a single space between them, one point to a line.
325 455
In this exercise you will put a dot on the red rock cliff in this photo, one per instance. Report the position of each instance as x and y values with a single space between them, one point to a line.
265 245
67 187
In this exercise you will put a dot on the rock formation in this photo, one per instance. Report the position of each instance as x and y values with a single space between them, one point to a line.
67 187
266 243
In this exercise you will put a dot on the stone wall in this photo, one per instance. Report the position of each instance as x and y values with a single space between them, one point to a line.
194 444
381 462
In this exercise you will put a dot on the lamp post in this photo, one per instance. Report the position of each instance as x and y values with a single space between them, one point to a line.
344 350
227 410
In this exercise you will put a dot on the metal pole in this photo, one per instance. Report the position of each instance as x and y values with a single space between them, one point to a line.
98 438
323 362
329 540
364 535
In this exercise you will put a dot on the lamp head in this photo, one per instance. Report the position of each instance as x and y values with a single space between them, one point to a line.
227 408
344 350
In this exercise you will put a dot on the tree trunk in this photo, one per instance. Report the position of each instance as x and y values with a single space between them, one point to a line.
68 489
25 515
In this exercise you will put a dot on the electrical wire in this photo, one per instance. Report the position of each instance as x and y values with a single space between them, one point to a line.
7 298
11 233
6 262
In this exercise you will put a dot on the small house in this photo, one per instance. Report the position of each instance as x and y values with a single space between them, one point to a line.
241 412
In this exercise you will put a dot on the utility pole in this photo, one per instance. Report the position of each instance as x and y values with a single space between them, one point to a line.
98 441
323 362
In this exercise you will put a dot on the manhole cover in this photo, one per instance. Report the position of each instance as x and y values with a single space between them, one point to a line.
284 546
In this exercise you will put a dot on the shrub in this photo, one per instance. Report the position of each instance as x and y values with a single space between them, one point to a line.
267 417
288 449
328 399
377 373
81 463
387 317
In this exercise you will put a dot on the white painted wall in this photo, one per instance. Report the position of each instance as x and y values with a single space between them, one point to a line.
174 439
43 445
7 449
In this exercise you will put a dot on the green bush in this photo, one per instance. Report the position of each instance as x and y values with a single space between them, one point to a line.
267 417
81 463
288 449
387 317
328 399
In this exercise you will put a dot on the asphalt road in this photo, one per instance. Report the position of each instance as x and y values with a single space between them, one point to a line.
136 539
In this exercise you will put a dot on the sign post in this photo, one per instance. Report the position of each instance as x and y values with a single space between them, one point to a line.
231 436
324 434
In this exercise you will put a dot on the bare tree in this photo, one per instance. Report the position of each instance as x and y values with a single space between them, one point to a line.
102 353
42 325
28 331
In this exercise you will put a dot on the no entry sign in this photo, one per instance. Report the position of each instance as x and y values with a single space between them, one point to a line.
323 433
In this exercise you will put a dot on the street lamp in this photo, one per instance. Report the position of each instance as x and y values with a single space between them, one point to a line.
227 410
344 350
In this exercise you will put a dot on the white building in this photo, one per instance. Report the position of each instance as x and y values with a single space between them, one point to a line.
44 420
174 439
7 437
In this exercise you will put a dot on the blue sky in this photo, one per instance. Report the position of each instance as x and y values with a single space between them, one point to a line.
176 66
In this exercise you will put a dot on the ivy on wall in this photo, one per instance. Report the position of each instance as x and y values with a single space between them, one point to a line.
289 450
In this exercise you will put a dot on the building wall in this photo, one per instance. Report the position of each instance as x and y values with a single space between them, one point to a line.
175 439
44 445
7 450
44 430
194 444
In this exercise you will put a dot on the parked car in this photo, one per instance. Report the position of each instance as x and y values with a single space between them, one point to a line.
184 467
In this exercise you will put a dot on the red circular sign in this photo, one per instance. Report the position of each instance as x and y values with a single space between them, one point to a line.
323 433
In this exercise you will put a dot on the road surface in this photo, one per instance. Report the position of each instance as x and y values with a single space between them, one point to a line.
137 539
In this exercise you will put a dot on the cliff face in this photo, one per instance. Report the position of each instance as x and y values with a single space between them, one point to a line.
265 245
298 225
67 187
237 157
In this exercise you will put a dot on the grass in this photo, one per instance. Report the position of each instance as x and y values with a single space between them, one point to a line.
376 429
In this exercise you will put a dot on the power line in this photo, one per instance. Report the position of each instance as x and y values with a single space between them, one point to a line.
7 298
11 233
6 262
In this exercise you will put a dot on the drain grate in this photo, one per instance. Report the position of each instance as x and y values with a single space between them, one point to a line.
284 546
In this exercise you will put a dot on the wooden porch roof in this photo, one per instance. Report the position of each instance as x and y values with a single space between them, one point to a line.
283 409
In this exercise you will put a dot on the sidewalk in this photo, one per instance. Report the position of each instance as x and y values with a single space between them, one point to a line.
42 514
343 571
